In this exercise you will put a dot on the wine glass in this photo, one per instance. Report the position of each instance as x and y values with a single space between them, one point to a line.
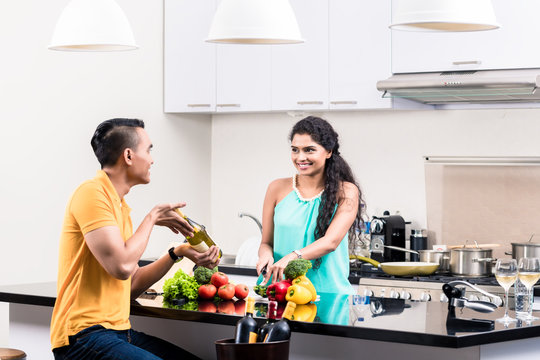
529 273
506 272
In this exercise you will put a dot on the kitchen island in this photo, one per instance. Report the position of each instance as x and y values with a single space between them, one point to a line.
386 328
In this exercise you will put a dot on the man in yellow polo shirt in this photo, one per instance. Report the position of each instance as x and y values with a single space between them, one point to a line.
98 272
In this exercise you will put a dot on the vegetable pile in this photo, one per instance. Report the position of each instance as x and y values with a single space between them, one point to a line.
208 284
297 287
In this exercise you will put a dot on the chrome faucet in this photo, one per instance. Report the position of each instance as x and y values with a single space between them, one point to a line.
242 214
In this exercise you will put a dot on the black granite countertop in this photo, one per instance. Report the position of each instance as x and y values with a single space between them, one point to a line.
400 321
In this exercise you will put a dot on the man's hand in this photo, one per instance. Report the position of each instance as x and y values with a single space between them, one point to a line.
165 215
209 258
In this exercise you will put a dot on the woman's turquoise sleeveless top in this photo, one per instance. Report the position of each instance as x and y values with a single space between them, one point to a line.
295 220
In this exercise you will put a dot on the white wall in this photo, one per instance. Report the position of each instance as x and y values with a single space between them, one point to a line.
51 102
384 148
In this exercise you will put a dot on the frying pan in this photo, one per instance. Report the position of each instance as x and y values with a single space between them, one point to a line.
402 268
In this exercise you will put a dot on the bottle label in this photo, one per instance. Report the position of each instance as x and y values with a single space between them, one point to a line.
252 337
200 247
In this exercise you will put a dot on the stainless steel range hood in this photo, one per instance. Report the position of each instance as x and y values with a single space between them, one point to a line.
481 86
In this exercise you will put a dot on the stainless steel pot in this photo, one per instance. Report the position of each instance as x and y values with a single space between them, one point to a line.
525 250
436 256
471 262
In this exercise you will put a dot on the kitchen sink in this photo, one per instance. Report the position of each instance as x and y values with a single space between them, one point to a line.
227 259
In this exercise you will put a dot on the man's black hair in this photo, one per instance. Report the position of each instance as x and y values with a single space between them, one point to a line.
112 137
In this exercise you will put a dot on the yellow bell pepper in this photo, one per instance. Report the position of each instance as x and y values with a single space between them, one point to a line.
305 312
305 282
298 294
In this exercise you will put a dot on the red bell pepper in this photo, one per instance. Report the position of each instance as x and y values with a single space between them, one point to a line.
278 291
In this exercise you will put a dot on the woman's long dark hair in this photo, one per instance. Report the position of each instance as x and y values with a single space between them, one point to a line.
336 171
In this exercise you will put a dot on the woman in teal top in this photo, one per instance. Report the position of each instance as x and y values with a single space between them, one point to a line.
311 214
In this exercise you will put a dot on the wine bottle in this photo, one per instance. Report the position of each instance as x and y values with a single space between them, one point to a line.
271 316
281 329
246 327
200 241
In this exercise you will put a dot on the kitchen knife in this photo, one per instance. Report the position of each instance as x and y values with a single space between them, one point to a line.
261 276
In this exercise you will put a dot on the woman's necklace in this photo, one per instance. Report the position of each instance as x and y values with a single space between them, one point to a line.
295 187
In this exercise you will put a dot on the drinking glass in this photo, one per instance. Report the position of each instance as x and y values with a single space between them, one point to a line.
529 273
506 272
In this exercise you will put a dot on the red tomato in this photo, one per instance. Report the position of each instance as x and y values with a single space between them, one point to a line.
240 307
226 292
226 307
219 279
207 291
241 291
207 306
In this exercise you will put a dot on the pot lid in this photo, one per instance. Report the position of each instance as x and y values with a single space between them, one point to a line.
527 244
474 247
467 249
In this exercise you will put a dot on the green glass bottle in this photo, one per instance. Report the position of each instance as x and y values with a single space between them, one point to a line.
200 241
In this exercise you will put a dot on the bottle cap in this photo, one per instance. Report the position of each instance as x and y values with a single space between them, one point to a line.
180 213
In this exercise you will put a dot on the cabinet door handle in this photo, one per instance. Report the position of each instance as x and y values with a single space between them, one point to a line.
470 62
228 105
198 105
310 102
345 102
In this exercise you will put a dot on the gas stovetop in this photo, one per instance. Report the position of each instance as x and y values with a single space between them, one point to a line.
373 281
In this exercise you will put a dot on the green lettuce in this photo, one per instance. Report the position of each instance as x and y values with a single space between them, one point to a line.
181 285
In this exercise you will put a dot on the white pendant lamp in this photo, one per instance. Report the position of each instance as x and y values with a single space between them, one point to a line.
255 22
92 25
443 15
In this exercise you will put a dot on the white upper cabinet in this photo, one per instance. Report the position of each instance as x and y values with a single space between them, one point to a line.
359 53
347 50
189 61
243 78
300 71
512 46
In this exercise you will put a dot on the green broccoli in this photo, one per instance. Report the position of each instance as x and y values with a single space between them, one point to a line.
203 275
296 268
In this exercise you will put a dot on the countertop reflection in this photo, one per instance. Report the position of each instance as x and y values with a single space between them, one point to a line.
394 320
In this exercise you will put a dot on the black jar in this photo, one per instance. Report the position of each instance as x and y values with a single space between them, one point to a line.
418 241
